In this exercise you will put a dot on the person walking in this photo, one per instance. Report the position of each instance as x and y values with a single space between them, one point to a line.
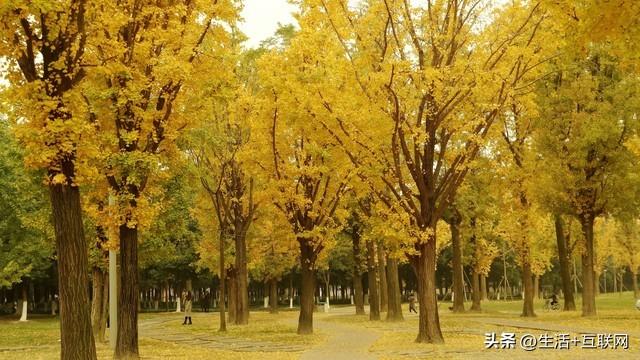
412 303
206 300
188 301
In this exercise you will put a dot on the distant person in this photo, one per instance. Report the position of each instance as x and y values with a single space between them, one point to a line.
638 304
412 303
552 303
187 308
206 300
54 305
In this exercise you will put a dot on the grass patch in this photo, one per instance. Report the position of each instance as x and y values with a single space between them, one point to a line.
263 326
39 338
38 331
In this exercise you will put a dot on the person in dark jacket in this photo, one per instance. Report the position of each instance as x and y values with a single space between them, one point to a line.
206 301
412 303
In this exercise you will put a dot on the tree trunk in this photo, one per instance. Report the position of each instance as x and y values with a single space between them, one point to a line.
394 312
374 305
565 263
527 281
308 287
634 281
167 296
458 275
588 274
475 276
223 276
242 286
358 296
233 295
127 343
483 286
76 337
97 316
536 286
273 296
424 266
384 293
357 274
105 304
476 292
25 300
327 296
291 290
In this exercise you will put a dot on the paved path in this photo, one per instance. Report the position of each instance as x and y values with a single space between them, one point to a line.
345 342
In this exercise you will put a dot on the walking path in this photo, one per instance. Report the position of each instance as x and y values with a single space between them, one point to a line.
345 342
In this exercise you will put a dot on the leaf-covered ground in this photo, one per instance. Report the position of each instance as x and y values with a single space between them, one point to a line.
464 334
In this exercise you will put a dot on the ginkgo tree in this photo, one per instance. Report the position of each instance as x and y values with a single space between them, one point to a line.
309 173
43 46
425 82
146 55
478 204
588 116
219 149
272 243
380 224
628 240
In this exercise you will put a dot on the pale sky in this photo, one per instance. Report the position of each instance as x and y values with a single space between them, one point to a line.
261 18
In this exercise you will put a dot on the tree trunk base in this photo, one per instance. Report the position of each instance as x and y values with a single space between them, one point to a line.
424 339
475 308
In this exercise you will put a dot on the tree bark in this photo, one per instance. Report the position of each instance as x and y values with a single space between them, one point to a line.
273 296
308 287
291 290
223 276
97 308
105 304
374 296
358 296
588 274
384 293
483 286
24 301
565 263
242 286
394 312
527 281
424 266
476 291
127 343
357 274
76 336
475 276
458 275
233 295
